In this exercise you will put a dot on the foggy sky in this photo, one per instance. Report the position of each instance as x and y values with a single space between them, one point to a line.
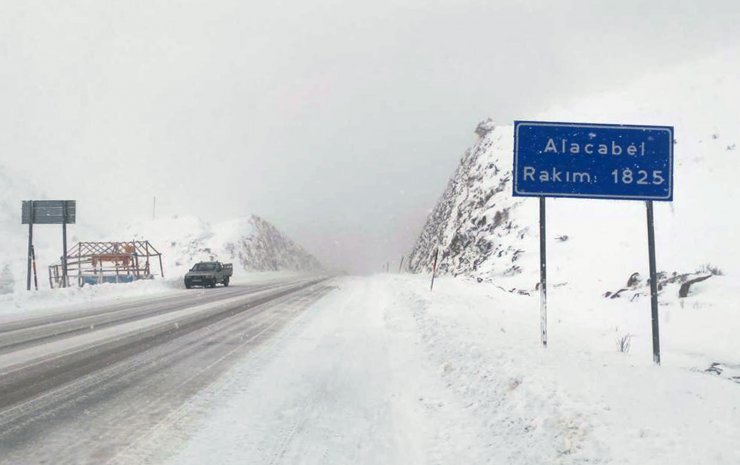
338 121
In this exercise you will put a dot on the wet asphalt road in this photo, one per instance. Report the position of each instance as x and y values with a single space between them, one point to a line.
78 387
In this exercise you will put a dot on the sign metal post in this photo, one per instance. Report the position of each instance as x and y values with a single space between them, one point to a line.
65 281
30 248
35 275
653 282
543 273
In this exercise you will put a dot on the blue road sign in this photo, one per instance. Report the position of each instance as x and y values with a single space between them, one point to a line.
599 161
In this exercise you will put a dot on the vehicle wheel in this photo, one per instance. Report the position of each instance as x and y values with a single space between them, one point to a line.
188 286
226 282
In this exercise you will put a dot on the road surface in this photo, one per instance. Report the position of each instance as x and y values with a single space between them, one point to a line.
77 387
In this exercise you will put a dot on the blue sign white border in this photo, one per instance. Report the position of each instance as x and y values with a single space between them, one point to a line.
668 129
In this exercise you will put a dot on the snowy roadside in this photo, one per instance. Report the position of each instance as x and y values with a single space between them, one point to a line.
382 371
21 303
582 400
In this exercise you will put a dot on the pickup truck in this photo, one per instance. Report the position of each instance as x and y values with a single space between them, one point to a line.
208 274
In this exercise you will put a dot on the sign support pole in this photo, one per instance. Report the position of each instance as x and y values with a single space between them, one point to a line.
30 249
653 282
35 275
65 282
543 273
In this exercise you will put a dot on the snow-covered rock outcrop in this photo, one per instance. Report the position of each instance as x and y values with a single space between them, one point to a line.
251 243
477 226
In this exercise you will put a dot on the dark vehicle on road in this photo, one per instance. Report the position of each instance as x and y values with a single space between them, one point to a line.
208 274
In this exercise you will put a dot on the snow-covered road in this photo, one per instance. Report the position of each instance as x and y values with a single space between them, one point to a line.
381 371
78 388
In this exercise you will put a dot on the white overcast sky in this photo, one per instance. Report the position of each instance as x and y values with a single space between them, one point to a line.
339 121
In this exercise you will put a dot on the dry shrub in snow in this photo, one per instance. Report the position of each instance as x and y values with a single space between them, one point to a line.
624 343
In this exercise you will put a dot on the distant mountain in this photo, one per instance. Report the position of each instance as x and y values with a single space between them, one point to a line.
266 248
251 243
483 232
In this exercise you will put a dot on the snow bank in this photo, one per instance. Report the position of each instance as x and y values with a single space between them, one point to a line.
21 304
582 400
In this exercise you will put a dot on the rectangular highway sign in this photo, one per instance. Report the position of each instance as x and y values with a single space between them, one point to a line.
48 211
599 161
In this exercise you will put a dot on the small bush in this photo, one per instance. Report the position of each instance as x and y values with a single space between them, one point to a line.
624 343
711 269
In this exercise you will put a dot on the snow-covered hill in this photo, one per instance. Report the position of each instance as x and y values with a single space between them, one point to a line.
484 232
251 243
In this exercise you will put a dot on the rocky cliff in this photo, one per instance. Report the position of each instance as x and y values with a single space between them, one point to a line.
250 242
